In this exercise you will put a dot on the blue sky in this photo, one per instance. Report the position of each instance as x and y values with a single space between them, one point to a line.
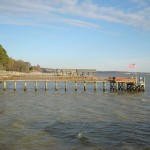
96 34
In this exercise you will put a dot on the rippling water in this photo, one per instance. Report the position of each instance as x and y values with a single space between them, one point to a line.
49 120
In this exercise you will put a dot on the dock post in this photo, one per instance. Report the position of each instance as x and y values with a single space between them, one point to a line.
65 85
56 88
14 85
36 85
84 85
25 85
104 86
75 85
4 85
95 85
45 85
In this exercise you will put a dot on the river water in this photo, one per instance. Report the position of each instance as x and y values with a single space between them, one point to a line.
74 120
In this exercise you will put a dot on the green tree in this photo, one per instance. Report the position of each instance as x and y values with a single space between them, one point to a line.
4 59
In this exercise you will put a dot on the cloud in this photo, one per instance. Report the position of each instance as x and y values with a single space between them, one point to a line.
141 3
75 12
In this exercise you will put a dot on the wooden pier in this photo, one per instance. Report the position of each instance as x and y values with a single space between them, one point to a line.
116 83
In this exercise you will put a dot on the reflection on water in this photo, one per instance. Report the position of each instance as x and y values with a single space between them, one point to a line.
74 120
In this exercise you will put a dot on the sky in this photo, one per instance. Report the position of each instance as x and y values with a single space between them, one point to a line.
106 35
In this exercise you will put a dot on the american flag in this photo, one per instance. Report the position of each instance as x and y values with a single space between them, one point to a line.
132 66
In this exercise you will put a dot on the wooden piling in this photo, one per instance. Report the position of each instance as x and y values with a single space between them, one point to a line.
117 85
75 85
14 85
84 85
124 86
65 85
95 86
45 85
56 87
25 85
4 85
104 86
36 84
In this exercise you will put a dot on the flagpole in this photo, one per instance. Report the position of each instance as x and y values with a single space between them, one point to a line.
134 66
136 74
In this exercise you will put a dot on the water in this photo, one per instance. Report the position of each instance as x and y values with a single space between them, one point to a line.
49 120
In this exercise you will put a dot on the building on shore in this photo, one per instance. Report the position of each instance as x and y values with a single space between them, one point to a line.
86 72
71 72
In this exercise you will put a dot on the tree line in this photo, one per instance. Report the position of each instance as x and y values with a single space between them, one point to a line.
9 64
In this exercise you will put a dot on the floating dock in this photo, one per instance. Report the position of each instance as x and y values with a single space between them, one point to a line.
116 83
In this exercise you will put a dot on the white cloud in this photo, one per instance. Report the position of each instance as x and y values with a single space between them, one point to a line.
66 10
142 3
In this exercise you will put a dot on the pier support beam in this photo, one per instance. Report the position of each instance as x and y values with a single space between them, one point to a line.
65 85
113 86
14 85
25 85
123 86
36 85
95 86
142 87
84 85
75 83
45 85
4 85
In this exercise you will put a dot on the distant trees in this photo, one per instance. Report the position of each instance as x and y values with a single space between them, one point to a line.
10 64
19 65
37 68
